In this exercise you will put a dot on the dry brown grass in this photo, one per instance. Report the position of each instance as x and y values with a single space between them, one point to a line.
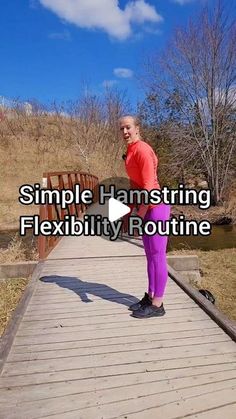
10 293
31 145
219 276
18 251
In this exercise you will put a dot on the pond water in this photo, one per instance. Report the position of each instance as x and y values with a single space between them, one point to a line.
222 237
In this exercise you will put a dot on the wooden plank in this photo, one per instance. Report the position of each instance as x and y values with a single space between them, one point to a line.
161 354
107 331
80 313
98 247
68 293
67 290
137 291
116 348
82 360
188 406
46 390
99 294
221 319
139 285
126 301
123 318
100 305
158 327
122 409
145 366
166 338
112 403
227 411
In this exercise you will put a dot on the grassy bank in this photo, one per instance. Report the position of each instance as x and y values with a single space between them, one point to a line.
10 293
18 250
32 145
218 270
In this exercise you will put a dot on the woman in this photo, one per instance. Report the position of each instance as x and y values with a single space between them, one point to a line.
141 166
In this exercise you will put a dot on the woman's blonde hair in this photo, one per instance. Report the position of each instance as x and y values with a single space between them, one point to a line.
134 117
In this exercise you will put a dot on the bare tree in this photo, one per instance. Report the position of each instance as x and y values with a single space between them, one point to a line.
195 79
90 124
116 104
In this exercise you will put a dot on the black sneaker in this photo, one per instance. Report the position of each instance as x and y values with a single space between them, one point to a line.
146 301
149 311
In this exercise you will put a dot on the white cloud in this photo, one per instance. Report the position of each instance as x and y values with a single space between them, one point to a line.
105 15
139 11
124 73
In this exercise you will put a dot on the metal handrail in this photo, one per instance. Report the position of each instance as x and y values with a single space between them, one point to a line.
51 212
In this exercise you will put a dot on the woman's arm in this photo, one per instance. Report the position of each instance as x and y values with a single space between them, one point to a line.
147 163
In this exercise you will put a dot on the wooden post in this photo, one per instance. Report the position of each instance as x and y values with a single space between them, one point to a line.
42 240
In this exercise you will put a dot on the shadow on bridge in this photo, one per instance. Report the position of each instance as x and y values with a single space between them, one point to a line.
83 288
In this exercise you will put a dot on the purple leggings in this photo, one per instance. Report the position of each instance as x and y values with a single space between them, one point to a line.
155 249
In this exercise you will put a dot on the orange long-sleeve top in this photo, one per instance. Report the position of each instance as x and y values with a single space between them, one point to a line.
141 165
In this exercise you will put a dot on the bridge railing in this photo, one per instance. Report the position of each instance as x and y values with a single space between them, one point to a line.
51 212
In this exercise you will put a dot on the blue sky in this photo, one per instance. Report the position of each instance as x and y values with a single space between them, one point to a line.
51 49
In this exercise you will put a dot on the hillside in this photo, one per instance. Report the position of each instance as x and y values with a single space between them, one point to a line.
33 144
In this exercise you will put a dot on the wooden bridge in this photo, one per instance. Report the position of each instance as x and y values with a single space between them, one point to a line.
72 350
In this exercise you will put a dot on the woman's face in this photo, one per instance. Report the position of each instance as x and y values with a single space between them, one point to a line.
129 131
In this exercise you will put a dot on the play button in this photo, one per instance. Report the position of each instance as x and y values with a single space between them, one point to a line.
116 209
111 211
